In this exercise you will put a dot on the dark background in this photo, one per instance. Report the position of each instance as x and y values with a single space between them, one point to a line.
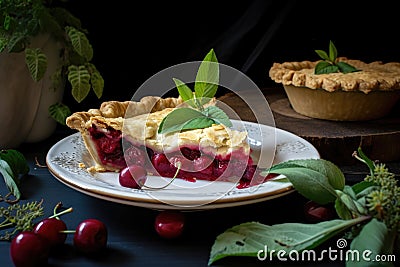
134 40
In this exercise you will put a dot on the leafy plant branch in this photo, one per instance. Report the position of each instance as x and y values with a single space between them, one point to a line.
13 165
370 208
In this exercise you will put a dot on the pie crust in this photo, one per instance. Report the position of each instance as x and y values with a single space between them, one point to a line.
117 110
369 93
371 77
111 115
107 130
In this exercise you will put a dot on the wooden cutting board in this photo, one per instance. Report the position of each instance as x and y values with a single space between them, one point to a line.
335 141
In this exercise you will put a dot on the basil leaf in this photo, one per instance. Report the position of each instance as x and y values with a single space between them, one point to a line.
182 119
333 173
329 65
342 210
372 238
207 78
59 112
322 54
324 67
349 191
15 160
195 123
12 164
218 115
309 183
332 52
350 202
184 91
249 239
9 178
205 88
346 68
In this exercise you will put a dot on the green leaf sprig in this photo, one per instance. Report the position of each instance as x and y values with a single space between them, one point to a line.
12 166
249 238
21 20
19 217
370 209
197 116
330 63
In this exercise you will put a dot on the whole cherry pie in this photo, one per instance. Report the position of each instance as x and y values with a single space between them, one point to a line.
123 133
367 94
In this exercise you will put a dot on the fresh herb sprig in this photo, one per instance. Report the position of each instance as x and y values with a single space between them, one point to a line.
197 116
12 166
19 217
330 63
370 208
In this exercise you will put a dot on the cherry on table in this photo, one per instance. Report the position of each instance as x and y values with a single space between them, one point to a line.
90 236
29 249
169 224
315 212
133 176
51 229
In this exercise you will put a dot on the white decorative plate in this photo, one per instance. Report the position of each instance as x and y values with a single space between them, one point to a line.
269 145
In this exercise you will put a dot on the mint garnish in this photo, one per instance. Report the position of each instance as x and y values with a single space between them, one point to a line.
330 63
205 88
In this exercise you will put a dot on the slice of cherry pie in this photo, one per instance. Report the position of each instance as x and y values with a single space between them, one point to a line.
125 133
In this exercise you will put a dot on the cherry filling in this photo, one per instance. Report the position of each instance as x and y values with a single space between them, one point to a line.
109 146
194 163
203 167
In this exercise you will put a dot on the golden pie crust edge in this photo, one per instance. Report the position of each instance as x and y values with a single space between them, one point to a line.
117 109
374 76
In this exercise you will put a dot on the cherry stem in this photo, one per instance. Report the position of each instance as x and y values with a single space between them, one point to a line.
5 225
357 157
178 168
62 213
68 231
56 207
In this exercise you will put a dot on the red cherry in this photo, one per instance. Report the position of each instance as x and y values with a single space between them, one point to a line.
315 212
29 249
133 176
169 224
90 236
50 229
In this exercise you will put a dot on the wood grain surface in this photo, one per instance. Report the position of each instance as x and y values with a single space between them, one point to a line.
335 141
